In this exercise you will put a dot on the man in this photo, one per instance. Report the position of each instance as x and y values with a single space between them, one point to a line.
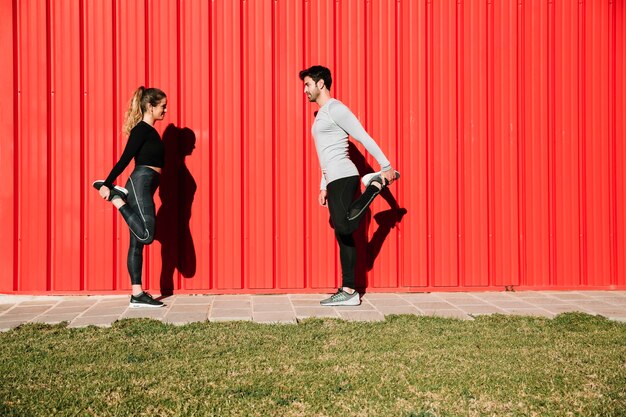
340 177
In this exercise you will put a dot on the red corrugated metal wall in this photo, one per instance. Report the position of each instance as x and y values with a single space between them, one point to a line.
506 119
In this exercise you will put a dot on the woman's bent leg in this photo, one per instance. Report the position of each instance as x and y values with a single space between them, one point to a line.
139 213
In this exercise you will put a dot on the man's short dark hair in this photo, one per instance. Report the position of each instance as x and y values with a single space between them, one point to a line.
318 72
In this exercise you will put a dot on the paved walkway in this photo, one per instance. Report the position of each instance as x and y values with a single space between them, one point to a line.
81 311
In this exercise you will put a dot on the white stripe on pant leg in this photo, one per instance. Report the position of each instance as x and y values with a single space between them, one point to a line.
132 183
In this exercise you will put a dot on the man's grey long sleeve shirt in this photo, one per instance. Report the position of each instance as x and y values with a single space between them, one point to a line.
332 125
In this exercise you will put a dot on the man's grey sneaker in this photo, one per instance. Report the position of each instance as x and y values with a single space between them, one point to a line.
144 300
342 298
375 176
116 191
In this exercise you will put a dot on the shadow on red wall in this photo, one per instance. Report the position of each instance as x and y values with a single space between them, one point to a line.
368 250
177 190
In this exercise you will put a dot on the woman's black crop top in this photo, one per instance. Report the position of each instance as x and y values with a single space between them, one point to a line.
145 145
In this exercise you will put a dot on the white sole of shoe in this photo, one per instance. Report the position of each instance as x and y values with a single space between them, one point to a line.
121 189
117 187
368 177
136 305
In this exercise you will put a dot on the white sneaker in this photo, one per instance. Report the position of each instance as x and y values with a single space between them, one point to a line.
115 191
368 178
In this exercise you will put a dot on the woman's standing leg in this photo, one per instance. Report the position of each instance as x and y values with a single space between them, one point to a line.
140 215
135 262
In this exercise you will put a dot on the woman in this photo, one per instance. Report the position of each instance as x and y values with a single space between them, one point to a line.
136 201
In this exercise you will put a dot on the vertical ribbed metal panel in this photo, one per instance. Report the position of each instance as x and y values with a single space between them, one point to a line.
505 138
536 141
258 145
598 146
8 124
33 147
228 157
504 117
473 137
102 144
414 245
291 196
65 155
443 143
618 18
566 149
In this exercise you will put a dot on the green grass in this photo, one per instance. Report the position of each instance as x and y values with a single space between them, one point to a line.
573 365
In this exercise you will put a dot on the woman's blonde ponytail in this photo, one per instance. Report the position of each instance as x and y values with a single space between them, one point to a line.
134 113
139 104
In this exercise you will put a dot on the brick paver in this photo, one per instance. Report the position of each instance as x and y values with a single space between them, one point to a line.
315 312
80 311
285 317
230 314
55 318
184 318
361 315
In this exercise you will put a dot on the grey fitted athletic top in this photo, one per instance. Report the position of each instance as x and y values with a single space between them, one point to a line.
332 125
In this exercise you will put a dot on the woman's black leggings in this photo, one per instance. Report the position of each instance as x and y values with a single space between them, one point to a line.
139 214
341 204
